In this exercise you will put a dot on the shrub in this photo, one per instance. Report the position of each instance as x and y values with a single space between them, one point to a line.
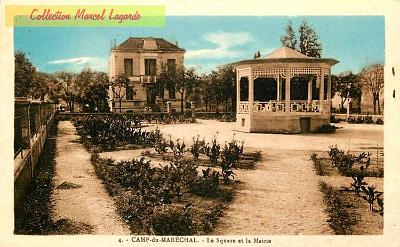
178 149
379 121
333 119
230 155
115 130
161 145
210 219
177 177
197 147
341 219
317 164
213 151
327 128
257 156
371 195
344 162
172 220
207 185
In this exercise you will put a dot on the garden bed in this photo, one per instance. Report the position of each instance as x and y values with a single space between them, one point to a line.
350 214
169 200
357 207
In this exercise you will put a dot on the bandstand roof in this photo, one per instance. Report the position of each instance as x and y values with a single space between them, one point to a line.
286 55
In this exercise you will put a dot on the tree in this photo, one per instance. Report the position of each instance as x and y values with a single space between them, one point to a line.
190 78
181 80
309 41
93 90
206 91
24 75
56 89
289 38
371 77
70 90
257 55
227 78
40 85
347 86
118 84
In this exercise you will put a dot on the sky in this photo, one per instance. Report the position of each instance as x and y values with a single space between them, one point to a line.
209 41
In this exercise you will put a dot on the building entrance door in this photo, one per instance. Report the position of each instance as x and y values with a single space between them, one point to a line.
305 124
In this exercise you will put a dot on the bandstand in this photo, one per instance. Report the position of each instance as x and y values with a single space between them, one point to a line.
285 92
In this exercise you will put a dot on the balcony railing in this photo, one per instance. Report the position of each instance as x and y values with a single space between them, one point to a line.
148 78
280 106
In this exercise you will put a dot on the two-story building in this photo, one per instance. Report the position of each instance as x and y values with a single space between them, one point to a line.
142 60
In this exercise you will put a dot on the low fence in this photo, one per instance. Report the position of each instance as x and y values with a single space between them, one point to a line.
32 120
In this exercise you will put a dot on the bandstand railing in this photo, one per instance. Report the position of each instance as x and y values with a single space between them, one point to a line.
279 106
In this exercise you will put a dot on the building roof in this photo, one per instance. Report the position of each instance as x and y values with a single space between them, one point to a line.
285 52
286 55
150 43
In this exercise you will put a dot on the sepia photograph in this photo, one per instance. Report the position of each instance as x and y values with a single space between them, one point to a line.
208 130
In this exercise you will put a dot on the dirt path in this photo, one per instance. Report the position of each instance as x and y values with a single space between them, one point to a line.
79 195
280 197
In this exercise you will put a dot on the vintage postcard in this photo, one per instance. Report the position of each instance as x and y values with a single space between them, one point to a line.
200 123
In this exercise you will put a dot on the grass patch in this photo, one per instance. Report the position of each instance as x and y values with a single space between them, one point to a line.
341 211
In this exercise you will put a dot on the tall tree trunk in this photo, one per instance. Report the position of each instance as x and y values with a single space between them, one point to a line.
182 100
374 103
379 107
342 103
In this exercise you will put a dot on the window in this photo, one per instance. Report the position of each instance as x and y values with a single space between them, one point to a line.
171 94
150 66
171 64
128 67
129 93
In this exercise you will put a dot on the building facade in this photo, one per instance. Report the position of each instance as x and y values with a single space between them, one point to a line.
142 60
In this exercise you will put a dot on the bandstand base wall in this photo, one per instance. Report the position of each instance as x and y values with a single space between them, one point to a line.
280 123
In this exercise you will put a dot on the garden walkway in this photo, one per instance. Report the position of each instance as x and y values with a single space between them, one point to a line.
280 197
79 195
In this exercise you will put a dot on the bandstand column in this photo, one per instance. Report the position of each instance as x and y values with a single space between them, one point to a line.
321 92
309 98
251 92
329 92
237 91
287 90
278 88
